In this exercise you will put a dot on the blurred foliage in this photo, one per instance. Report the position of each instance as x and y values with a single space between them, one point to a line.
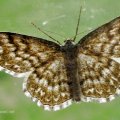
58 16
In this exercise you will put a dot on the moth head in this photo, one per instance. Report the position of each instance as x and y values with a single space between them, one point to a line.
68 41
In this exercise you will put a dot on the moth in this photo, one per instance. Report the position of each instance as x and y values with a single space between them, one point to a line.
57 75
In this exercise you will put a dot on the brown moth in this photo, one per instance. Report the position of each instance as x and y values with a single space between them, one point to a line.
55 75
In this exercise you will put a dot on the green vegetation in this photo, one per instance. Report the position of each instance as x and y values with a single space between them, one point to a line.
58 16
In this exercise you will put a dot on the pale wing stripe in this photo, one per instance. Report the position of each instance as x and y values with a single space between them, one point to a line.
14 74
116 59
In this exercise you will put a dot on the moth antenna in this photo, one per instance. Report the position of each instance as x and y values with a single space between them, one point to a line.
56 34
77 24
71 38
45 33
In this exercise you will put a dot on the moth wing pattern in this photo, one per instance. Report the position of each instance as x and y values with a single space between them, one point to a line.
99 63
42 65
16 49
103 41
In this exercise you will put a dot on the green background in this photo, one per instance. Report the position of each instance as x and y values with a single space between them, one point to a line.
58 16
